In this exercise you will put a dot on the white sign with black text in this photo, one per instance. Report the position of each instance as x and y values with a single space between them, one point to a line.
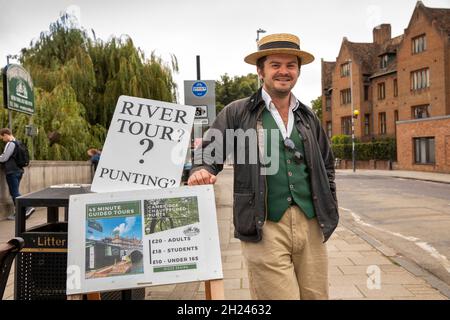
145 147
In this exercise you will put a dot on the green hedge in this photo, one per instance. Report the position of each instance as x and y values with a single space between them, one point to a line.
384 149
341 139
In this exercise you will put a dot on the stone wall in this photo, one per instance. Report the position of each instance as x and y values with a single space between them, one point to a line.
42 174
367 165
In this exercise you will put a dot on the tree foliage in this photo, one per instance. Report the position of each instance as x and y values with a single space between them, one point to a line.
77 81
229 89
316 106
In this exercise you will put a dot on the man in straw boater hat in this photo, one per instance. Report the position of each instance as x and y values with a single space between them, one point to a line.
283 217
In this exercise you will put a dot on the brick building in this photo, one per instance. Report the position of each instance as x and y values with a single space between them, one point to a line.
395 80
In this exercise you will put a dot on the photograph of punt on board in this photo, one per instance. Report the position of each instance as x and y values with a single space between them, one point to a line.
165 214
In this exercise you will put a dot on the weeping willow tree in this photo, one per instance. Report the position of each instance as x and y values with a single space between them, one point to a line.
77 81
122 69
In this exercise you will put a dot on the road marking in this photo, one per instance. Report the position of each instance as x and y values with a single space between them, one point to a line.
418 242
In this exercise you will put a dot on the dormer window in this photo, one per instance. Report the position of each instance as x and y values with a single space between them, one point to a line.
384 61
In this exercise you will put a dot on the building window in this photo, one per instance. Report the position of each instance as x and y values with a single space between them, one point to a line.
424 150
366 92
346 96
329 129
382 122
328 103
367 124
381 91
420 112
345 69
384 61
346 125
420 79
419 44
395 88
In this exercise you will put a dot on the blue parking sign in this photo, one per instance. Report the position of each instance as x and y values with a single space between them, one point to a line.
199 89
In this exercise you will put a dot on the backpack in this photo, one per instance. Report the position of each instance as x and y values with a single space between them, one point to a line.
21 156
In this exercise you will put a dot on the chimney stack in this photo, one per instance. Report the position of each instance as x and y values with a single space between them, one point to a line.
382 33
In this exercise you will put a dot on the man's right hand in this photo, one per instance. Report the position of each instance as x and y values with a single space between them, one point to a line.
201 177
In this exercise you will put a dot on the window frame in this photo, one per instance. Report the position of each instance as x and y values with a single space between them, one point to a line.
415 111
382 123
346 96
366 92
329 128
429 148
381 88
420 79
346 120
367 124
384 61
327 102
345 70
418 46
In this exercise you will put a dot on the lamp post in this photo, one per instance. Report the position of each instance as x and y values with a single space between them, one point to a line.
353 115
257 34
257 39
10 56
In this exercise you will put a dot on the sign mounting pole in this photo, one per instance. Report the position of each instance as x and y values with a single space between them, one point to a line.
9 110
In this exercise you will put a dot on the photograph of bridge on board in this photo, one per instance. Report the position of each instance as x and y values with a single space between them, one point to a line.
114 240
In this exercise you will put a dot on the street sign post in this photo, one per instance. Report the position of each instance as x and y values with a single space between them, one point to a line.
19 89
201 94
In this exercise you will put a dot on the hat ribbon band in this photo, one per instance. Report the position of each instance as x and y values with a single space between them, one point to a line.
279 45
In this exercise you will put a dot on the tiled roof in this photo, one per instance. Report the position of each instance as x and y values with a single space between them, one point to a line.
392 45
389 47
366 54
441 16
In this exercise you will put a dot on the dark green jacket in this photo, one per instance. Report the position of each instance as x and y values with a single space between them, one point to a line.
249 208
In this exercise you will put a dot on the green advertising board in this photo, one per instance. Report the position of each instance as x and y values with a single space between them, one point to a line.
19 89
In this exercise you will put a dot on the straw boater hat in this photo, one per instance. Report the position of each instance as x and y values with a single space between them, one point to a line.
279 43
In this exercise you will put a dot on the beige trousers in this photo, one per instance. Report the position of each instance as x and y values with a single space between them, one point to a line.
290 262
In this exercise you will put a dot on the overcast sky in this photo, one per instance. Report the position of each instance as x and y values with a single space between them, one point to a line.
221 32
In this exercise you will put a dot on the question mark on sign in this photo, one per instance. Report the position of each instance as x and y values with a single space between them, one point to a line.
181 131
149 147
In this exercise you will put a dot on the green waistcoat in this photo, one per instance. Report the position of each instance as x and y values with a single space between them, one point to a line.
291 184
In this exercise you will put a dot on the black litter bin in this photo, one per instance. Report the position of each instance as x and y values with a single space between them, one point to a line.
41 265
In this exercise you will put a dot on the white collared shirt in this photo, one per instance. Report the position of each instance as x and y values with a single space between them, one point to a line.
293 105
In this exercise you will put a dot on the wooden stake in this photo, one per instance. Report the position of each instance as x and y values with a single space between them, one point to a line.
94 296
214 290
90 296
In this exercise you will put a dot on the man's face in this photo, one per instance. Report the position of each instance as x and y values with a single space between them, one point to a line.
5 138
280 73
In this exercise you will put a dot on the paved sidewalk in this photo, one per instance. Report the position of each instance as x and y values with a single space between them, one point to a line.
350 257
416 175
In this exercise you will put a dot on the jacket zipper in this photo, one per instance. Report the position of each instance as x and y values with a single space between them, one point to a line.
265 178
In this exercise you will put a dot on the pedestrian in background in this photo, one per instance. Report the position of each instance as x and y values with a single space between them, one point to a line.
282 218
13 171
94 155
